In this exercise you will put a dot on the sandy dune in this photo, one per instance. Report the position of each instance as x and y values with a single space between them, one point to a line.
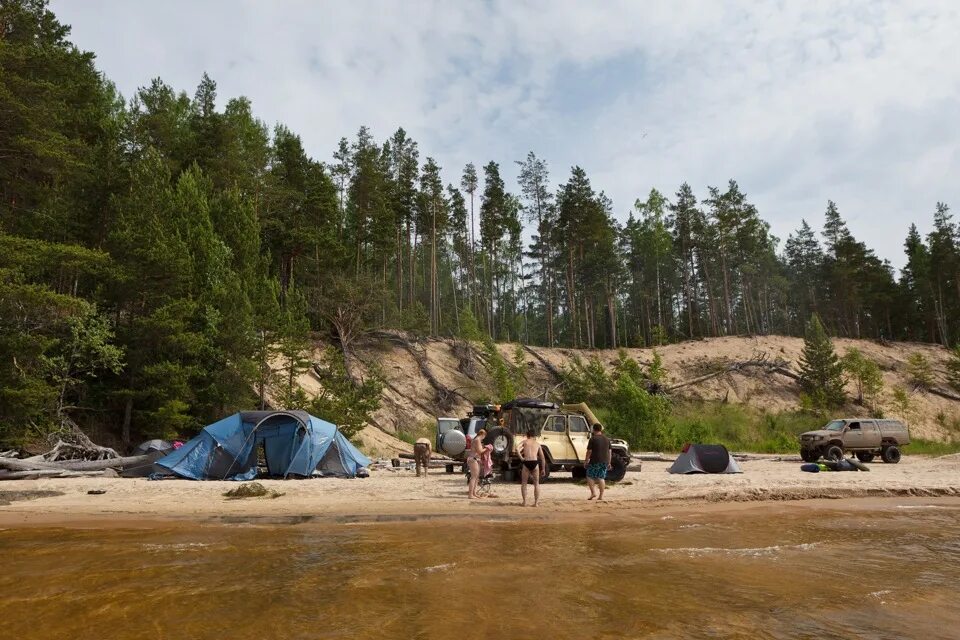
400 493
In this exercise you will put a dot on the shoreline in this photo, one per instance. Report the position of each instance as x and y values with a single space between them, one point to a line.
399 496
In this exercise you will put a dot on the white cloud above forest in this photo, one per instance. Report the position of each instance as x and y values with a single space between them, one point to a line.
798 101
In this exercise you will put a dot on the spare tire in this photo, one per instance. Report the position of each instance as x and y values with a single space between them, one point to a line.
502 441
453 443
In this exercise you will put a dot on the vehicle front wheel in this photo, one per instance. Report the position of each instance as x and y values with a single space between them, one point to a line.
579 473
891 454
833 452
865 456
618 469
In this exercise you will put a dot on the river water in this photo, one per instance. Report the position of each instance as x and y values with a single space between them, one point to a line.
888 571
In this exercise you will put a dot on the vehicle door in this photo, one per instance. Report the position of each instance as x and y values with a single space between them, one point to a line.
554 437
853 436
579 435
869 434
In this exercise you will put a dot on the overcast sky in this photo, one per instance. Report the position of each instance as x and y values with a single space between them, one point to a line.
798 101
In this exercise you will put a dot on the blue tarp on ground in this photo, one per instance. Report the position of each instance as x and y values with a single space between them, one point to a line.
295 443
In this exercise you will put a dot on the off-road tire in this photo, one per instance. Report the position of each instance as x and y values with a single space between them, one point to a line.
890 454
833 452
579 473
502 441
809 455
618 468
511 475
449 468
865 456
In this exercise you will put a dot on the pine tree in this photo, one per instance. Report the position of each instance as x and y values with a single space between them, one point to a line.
821 374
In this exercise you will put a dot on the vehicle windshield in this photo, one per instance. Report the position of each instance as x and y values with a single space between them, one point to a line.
834 425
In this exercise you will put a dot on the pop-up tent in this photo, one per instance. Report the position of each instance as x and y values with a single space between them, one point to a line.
705 458
293 443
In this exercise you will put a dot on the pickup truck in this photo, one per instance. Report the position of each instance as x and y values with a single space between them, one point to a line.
865 437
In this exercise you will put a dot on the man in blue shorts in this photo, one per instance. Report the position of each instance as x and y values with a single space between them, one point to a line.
597 462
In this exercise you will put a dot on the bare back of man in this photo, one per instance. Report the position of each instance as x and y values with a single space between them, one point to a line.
534 466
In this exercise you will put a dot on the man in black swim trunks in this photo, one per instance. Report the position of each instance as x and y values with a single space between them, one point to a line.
534 464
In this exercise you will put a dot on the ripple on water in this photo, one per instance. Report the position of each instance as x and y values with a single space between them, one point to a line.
747 552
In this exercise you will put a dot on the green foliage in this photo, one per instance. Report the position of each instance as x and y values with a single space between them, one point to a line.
902 401
504 378
738 427
821 374
920 370
637 416
347 403
415 320
953 367
865 373
206 248
657 372
586 381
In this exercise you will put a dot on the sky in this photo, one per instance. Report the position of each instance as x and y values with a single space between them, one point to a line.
798 101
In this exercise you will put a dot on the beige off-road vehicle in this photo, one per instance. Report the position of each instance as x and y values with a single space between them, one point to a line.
562 430
865 437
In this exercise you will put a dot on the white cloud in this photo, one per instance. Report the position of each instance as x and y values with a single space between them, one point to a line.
798 101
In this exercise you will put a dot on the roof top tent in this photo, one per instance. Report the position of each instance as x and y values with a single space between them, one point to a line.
295 444
705 458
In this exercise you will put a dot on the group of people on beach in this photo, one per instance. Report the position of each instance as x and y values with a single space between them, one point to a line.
534 464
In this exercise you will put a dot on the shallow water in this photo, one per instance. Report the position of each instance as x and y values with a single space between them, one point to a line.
768 572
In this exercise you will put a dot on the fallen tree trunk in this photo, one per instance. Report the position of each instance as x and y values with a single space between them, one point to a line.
760 362
15 464
547 365
99 465
943 393
443 394
33 474
434 457
38 464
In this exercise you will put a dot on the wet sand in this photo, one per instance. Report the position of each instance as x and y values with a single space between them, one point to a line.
398 495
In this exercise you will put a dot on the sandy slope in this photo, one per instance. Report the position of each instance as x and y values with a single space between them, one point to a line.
388 493
409 401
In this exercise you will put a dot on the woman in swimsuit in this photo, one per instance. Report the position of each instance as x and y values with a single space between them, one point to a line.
473 462
534 464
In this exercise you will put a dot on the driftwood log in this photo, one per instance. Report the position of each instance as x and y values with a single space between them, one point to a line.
39 467
433 458
34 474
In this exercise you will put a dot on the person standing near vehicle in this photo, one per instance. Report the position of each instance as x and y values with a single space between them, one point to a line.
473 462
421 454
597 461
534 464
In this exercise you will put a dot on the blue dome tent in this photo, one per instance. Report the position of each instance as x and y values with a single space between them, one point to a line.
295 443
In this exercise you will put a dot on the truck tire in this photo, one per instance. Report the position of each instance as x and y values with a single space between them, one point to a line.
618 469
502 441
865 456
890 454
809 455
449 468
579 473
510 475
833 452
